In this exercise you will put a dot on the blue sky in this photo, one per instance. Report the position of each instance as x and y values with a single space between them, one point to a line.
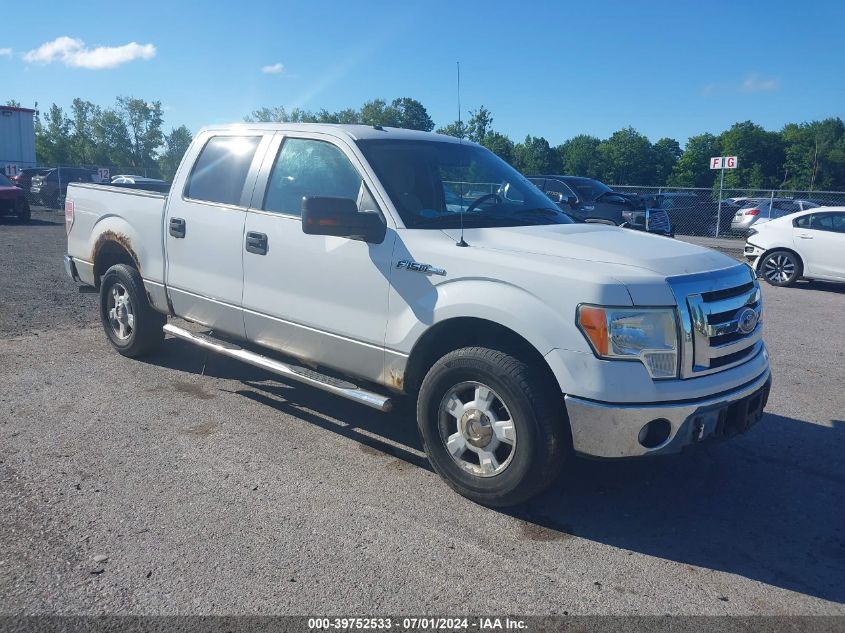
552 69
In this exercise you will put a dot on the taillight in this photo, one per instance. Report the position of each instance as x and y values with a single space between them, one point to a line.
68 215
753 212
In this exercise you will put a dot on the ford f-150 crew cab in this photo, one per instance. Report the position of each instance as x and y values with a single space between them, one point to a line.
375 263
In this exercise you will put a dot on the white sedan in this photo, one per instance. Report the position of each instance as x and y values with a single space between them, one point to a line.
805 245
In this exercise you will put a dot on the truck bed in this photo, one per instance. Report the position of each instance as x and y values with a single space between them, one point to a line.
132 217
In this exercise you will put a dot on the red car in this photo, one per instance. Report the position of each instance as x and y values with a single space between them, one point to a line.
13 200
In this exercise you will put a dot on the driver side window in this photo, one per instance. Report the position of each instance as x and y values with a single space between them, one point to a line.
307 168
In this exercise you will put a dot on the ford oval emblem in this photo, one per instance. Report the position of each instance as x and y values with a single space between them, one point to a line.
746 320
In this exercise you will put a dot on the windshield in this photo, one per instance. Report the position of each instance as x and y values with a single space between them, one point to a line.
587 188
5 182
434 185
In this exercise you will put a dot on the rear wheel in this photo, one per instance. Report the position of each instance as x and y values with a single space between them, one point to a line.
134 328
781 268
493 425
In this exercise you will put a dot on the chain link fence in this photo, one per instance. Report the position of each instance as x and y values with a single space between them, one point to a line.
46 185
692 212
697 212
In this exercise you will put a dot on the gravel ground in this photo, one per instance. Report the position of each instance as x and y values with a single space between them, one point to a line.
193 484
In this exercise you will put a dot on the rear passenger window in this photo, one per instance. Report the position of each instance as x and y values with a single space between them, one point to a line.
306 168
826 222
221 169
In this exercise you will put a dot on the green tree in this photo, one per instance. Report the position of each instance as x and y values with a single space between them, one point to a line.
377 112
666 152
267 115
144 121
500 145
13 103
458 129
535 156
760 156
693 167
628 156
175 145
411 114
479 125
814 155
83 116
53 137
111 140
580 156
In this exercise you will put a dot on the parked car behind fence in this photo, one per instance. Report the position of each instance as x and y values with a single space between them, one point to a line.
24 178
695 212
49 189
759 212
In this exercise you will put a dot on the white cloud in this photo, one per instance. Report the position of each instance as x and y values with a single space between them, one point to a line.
273 69
709 90
755 83
5 52
74 53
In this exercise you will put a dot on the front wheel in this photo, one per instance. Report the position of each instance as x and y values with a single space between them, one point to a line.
781 268
493 425
134 328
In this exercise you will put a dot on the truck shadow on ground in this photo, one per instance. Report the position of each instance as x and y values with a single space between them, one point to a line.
768 506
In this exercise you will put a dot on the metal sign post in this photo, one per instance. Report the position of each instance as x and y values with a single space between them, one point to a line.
721 163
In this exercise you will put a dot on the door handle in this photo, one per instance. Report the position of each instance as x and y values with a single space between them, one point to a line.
256 243
177 227
806 237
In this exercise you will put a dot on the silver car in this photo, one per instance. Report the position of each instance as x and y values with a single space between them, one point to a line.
758 211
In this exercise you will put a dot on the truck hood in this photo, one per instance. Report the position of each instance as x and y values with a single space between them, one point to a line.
663 256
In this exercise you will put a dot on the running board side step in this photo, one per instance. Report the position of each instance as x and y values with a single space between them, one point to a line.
300 374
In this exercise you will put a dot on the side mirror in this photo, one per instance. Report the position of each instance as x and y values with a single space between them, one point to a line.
340 217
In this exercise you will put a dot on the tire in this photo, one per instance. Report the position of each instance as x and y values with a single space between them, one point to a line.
511 389
781 268
22 210
133 327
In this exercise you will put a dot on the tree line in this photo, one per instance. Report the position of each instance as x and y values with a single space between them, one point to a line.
128 136
802 156
806 156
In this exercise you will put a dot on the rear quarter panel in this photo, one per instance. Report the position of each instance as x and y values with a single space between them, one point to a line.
133 219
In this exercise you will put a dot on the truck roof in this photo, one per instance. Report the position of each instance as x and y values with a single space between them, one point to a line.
353 131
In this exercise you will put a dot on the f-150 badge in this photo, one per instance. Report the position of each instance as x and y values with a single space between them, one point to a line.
426 269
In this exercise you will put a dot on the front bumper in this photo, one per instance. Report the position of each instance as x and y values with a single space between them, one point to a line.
601 429
752 252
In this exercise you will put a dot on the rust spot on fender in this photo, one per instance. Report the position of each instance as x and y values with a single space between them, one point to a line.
118 238
396 380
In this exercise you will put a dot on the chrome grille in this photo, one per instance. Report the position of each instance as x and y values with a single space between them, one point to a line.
711 306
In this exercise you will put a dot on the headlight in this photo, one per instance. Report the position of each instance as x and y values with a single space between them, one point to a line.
647 334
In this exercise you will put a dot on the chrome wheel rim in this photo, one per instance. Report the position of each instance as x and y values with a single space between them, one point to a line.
779 268
477 429
120 312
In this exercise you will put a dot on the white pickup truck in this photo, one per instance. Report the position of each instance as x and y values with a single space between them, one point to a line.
375 263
